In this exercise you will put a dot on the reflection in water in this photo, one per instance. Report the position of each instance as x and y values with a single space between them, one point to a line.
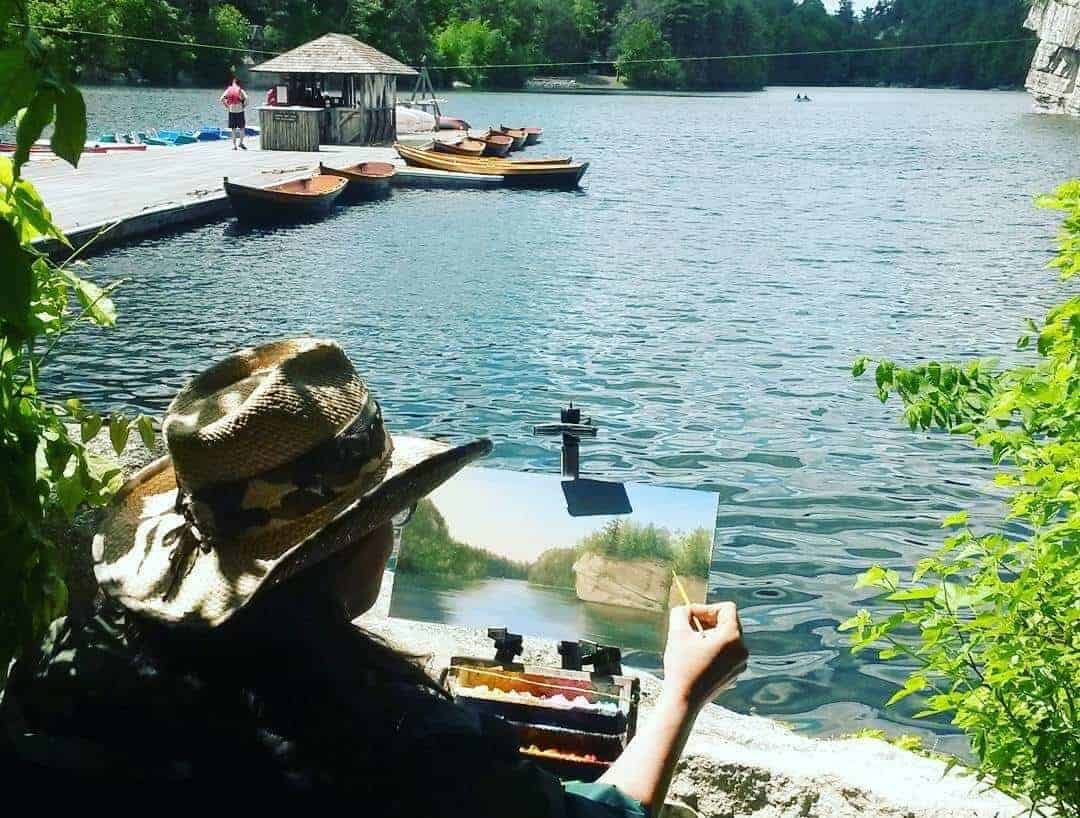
555 613
704 311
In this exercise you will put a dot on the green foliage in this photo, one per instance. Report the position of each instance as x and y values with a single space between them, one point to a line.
573 32
701 28
46 471
469 43
627 540
642 41
689 554
992 621
554 567
693 553
224 25
428 549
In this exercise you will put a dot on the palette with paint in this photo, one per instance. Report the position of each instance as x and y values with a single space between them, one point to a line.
571 722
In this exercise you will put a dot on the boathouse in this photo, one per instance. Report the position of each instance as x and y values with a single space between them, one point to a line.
334 90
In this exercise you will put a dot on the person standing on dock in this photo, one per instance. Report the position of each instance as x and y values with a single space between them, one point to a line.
235 99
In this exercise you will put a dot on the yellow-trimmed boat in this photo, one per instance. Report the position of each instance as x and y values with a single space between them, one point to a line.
518 174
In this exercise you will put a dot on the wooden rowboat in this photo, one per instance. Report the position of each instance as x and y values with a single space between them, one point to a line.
463 147
497 144
532 133
287 201
521 174
366 180
501 160
519 137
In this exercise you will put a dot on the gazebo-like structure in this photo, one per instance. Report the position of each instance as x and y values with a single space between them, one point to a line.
334 90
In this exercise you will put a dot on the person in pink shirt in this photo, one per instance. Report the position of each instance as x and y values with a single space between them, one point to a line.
235 100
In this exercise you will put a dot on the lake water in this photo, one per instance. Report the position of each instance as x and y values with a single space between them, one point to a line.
702 297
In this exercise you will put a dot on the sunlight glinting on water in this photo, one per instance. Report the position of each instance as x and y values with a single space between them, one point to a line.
702 297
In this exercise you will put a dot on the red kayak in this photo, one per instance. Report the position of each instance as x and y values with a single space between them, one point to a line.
452 123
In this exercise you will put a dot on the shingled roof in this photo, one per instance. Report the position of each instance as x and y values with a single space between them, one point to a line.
334 54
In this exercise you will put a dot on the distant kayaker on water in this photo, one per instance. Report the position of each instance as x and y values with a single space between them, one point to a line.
235 99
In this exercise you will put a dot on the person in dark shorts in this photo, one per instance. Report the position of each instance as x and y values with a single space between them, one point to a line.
235 100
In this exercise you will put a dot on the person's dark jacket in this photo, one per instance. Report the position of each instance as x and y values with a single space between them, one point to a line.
103 705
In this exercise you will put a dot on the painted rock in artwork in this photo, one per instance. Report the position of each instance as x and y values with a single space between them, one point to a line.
641 584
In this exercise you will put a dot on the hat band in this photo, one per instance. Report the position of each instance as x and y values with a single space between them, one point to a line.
226 511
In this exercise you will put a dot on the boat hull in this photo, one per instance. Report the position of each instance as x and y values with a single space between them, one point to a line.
268 206
498 149
362 186
513 174
558 177
467 147
532 133
519 138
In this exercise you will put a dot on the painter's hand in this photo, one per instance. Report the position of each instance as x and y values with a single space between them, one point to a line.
698 663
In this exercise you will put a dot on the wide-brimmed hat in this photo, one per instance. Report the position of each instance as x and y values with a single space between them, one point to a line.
278 458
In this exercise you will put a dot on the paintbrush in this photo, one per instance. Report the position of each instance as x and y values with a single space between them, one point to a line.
686 601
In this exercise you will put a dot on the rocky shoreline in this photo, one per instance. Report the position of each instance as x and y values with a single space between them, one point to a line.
734 766
1054 68
739 766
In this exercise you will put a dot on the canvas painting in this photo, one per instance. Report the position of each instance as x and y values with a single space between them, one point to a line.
495 548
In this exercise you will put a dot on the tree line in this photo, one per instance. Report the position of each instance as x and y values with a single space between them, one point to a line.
646 42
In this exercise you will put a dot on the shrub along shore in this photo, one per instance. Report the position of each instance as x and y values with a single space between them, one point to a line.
648 43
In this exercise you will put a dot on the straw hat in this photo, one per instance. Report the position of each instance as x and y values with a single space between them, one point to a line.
278 457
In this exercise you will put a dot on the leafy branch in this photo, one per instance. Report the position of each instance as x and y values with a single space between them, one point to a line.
47 474
993 618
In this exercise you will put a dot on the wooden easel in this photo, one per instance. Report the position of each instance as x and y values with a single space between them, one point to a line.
425 91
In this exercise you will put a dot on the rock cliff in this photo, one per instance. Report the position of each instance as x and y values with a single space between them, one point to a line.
1052 79
641 584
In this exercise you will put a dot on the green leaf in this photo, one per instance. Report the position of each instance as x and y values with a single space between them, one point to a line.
90 426
17 282
69 137
862 618
32 122
18 80
912 594
146 431
93 298
119 429
914 684
954 520
69 493
878 577
883 376
859 366
37 220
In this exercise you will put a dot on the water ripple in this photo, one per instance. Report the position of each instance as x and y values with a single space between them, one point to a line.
702 297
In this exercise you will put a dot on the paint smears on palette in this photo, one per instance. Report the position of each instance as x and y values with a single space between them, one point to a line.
566 560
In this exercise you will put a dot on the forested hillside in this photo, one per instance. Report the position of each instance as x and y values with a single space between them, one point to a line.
633 37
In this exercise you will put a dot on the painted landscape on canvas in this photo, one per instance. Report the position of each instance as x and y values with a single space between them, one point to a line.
496 548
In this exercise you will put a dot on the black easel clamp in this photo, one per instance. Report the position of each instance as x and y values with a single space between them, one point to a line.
606 660
508 646
572 428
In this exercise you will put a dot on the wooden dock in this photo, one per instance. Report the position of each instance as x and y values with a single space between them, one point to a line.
143 192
